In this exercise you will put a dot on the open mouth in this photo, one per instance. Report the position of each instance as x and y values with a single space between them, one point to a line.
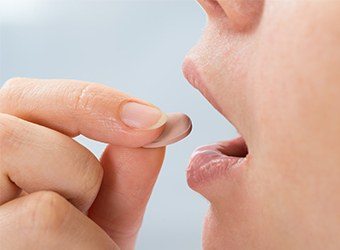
210 162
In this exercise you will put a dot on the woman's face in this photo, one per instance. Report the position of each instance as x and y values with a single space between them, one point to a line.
272 68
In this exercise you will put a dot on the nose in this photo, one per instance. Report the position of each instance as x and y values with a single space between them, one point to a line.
241 14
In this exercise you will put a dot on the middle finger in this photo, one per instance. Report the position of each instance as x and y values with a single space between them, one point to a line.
34 158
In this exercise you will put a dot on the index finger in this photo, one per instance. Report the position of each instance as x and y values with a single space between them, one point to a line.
76 107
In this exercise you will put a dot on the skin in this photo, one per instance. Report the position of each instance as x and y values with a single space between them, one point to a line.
272 69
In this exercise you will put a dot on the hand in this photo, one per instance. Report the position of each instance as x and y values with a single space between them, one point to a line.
54 193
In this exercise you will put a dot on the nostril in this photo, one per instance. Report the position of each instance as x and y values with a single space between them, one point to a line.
243 14
212 8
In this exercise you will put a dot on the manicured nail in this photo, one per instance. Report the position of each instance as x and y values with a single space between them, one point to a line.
142 116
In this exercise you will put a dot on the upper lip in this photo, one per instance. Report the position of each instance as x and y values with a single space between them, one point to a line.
194 76
195 79
192 71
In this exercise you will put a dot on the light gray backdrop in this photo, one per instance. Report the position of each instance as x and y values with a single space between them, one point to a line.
137 47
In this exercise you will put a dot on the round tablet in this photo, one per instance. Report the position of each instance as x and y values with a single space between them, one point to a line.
177 127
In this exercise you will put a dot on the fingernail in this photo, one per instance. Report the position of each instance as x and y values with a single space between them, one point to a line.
142 116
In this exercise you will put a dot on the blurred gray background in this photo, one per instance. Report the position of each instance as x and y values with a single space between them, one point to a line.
137 47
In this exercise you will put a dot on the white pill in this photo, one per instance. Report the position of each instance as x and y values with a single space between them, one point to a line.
177 127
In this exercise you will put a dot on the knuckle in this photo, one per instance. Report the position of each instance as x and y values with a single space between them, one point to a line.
45 212
91 175
8 132
13 89
12 82
83 98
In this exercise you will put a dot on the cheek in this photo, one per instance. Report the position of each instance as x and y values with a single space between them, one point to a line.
295 101
293 94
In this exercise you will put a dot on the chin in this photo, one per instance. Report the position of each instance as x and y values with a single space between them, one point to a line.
216 235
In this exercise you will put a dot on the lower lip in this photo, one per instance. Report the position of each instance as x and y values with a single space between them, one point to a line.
208 164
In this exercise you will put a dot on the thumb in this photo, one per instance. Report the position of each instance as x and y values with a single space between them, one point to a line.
129 177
